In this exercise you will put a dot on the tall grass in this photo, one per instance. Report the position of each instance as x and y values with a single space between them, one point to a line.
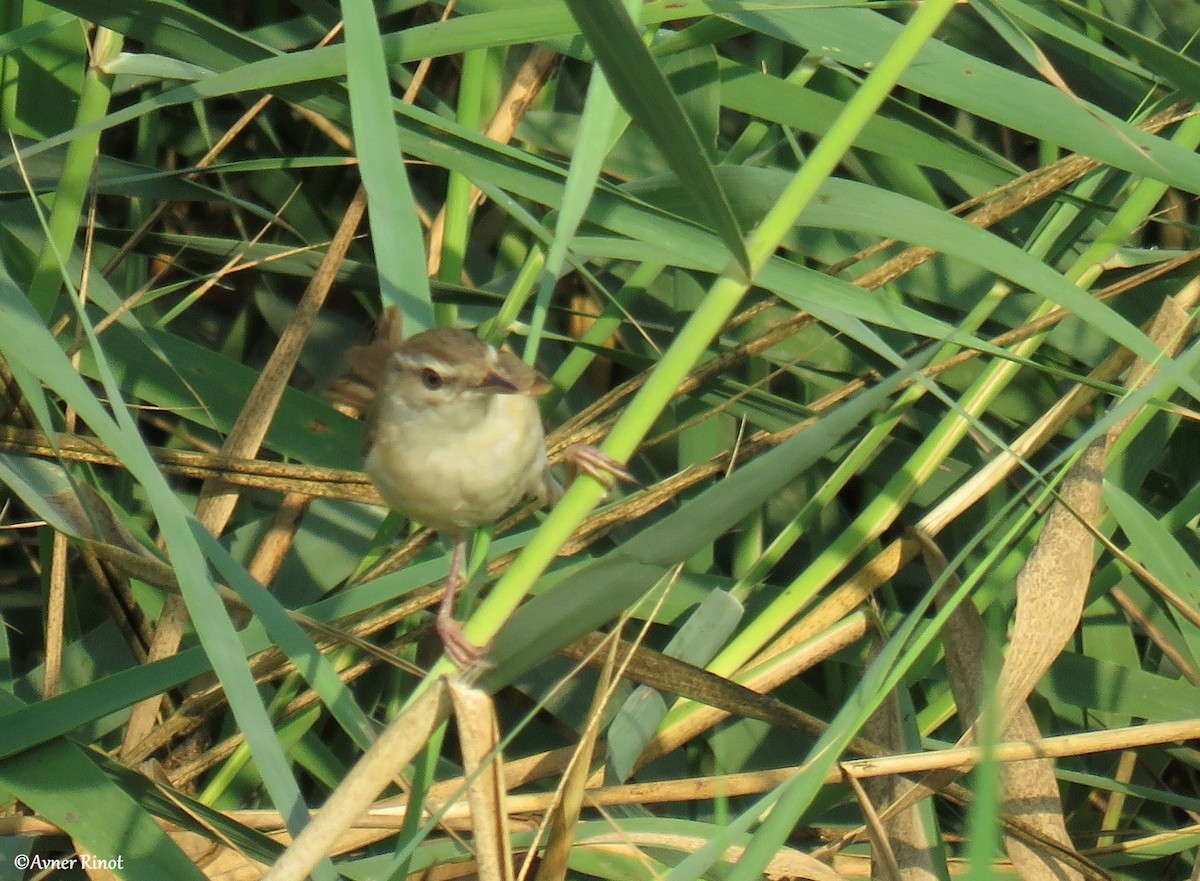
888 305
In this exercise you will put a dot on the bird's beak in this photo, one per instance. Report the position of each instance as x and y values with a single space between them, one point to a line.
499 384
512 376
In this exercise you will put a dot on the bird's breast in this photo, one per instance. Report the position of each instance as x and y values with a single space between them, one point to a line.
454 475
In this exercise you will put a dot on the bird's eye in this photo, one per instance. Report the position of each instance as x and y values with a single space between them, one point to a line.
432 379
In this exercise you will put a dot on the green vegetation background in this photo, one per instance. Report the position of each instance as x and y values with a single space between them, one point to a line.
772 184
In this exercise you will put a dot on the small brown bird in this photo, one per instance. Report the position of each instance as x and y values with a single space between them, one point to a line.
455 441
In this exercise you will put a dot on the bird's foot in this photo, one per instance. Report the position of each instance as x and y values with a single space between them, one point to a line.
601 466
466 654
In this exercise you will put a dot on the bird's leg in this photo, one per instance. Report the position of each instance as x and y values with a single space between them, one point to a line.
458 648
589 459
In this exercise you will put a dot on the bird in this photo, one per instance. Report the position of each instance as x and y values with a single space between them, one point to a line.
455 441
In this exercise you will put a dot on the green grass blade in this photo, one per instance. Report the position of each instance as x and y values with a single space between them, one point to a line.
395 229
643 90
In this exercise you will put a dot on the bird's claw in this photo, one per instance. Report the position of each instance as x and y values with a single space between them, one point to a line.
601 466
466 654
